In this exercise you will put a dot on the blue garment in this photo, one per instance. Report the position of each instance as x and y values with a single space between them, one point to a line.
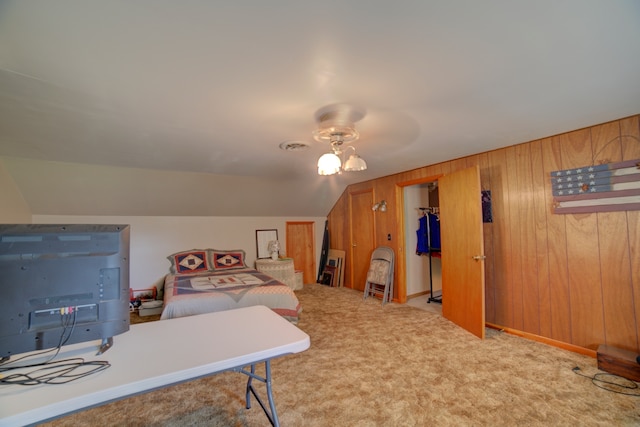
434 232
428 234
423 237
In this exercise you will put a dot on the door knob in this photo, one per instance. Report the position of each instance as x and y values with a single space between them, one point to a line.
479 257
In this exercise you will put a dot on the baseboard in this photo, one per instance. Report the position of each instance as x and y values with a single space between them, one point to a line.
545 340
419 294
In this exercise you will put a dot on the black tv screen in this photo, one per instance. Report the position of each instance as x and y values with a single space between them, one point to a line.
62 284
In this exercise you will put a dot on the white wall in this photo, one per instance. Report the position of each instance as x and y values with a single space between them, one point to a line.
13 208
417 266
154 238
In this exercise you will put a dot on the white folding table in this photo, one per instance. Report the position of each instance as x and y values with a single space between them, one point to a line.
157 354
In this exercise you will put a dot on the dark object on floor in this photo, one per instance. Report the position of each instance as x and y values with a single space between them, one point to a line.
136 318
324 254
619 362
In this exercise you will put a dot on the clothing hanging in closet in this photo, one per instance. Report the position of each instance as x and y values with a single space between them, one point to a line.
434 231
428 233
423 236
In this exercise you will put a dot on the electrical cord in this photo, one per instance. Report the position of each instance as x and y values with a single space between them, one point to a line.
623 383
60 372
52 372
65 320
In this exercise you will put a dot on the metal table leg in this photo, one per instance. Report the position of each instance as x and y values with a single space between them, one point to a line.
271 413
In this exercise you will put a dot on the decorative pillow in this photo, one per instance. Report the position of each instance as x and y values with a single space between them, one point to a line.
378 272
192 261
227 260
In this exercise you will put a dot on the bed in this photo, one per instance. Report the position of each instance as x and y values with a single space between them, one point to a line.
208 280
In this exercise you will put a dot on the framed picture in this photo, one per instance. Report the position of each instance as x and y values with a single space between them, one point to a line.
486 206
263 237
336 259
327 278
331 278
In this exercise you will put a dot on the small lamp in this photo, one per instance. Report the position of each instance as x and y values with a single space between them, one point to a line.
336 161
329 164
273 247
355 163
380 206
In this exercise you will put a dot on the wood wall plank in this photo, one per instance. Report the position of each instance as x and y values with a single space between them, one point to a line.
457 165
530 302
630 135
514 286
616 283
526 213
617 286
559 295
587 321
607 144
541 207
630 131
633 221
500 239
570 278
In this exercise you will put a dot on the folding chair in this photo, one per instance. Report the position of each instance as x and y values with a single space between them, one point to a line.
380 274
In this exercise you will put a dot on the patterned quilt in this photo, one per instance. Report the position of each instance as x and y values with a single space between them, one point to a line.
198 293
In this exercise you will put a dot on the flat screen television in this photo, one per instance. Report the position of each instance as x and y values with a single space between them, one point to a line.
62 284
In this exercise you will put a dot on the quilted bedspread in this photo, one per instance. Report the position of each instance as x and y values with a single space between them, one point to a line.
189 294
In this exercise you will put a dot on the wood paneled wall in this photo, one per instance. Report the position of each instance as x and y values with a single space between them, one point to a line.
570 278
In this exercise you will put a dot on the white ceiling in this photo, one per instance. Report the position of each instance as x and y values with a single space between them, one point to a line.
182 104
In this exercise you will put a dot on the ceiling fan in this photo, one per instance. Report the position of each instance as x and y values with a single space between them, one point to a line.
336 125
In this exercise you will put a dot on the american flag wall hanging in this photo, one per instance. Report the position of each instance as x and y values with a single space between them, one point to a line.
599 188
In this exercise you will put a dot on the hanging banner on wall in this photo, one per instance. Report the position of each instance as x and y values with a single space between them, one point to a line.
599 188
487 216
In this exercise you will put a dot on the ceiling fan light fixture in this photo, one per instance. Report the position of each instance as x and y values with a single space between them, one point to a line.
329 164
329 131
355 163
338 119
336 126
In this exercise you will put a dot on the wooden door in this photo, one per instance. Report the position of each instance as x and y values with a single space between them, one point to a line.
361 237
301 247
462 250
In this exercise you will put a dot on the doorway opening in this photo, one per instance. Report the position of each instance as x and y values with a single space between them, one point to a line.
459 197
423 268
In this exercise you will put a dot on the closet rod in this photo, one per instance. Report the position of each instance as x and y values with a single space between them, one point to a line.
433 209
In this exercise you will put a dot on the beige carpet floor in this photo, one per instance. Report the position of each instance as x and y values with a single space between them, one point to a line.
391 366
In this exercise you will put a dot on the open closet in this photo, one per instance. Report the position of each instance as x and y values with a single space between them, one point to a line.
422 240
428 235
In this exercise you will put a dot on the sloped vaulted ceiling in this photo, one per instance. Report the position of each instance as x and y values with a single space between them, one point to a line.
161 107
